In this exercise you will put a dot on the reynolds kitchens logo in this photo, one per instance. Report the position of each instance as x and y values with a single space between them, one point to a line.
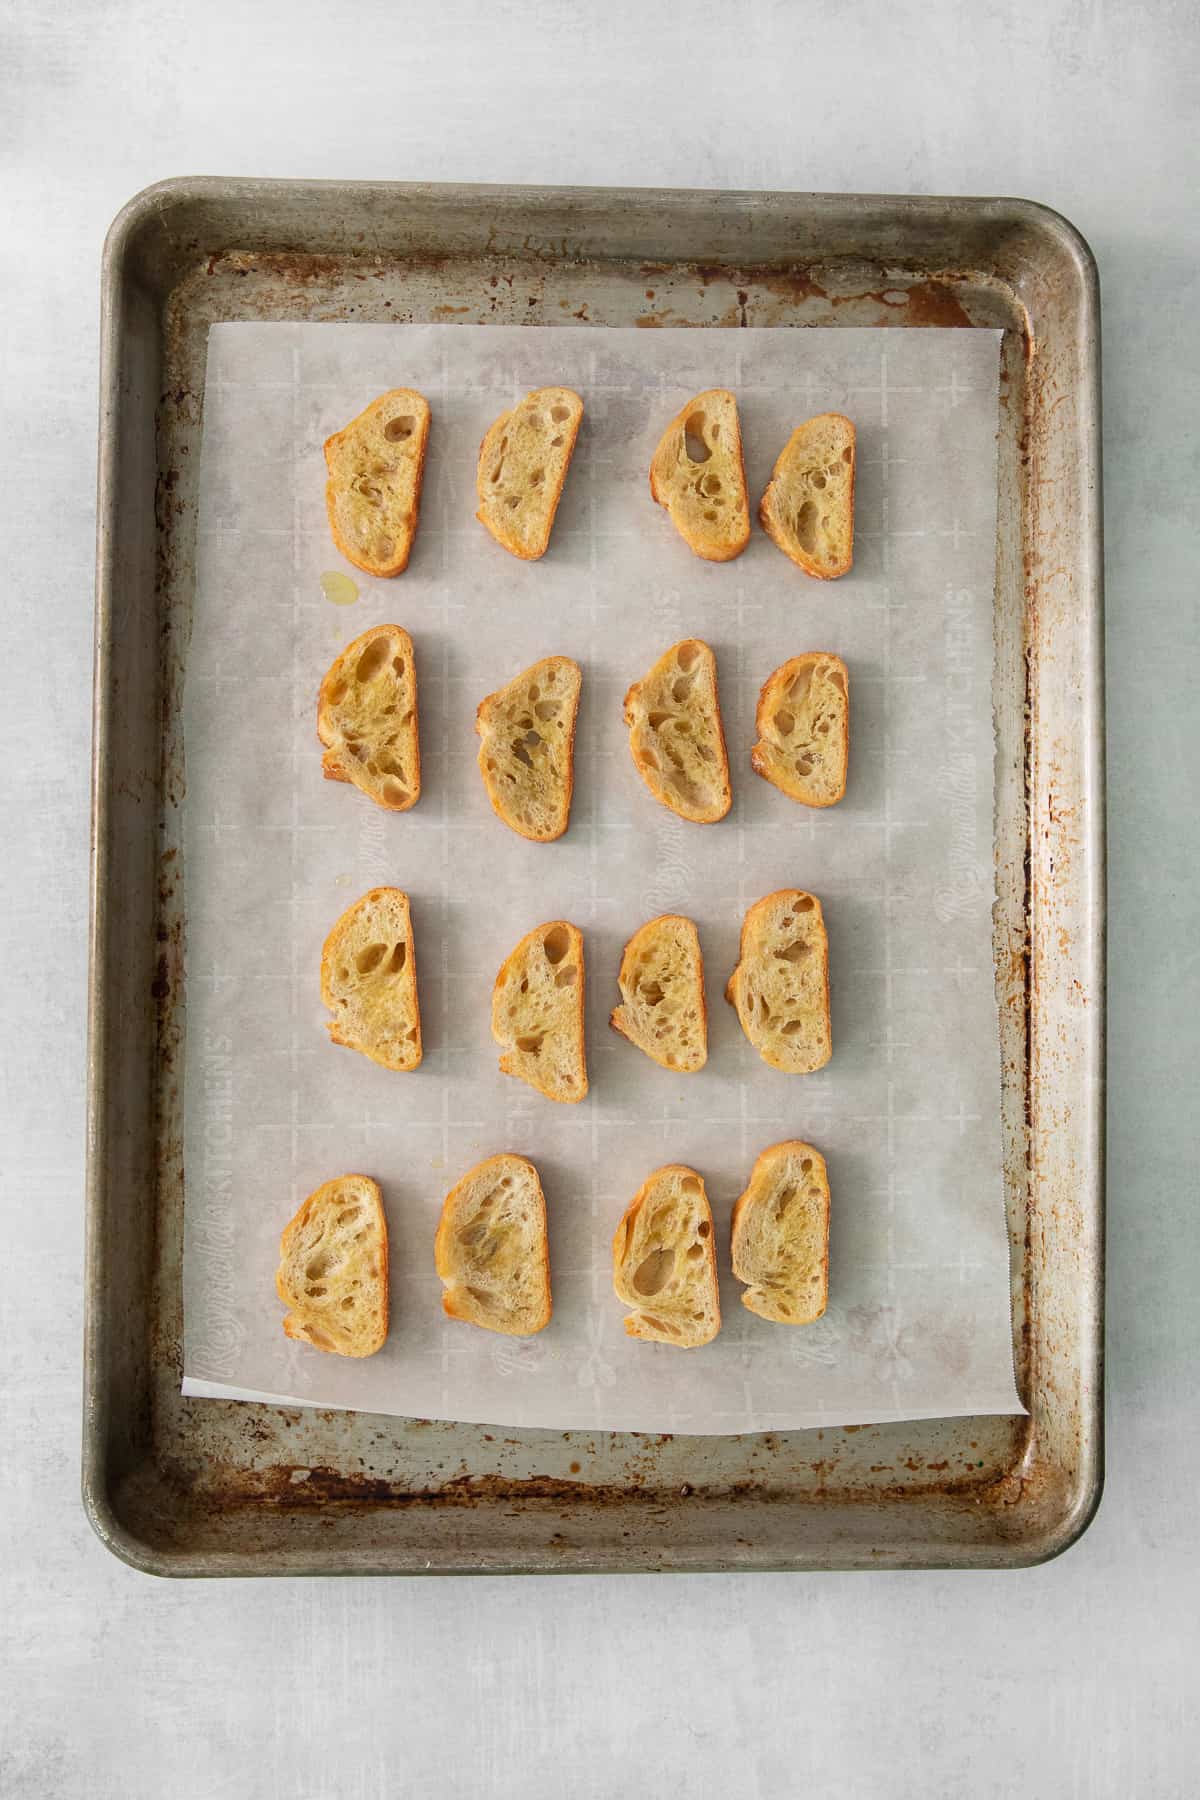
213 1266
965 883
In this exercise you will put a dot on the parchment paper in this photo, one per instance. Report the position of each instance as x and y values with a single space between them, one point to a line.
907 1112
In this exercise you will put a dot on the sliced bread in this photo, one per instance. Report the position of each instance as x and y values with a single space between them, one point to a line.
808 508
662 1007
665 1261
676 736
491 1248
780 987
697 473
333 1268
373 494
527 756
369 980
803 725
523 462
367 718
537 1012
780 1235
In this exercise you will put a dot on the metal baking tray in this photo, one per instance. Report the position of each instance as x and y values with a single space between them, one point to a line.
200 1487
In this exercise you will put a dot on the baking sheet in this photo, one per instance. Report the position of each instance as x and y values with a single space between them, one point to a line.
907 1112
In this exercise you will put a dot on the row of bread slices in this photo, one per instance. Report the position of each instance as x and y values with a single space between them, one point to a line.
367 720
492 1253
780 990
376 465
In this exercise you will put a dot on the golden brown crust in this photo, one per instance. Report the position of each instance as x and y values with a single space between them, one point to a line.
491 488
701 794
391 907
318 1318
337 763
772 509
767 758
805 1298
487 720
453 1266
547 1007
660 1316
402 462
755 953
716 524
634 949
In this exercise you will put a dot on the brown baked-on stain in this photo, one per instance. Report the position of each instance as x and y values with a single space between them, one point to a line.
935 303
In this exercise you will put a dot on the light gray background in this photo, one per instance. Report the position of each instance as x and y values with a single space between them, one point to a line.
1073 1680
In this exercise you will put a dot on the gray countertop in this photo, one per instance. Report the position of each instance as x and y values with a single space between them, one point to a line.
1074 1679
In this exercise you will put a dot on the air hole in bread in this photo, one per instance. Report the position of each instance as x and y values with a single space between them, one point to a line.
710 485
372 660
348 1302
370 958
703 1228
710 514
688 654
806 1166
656 720
513 501
694 446
664 1325
805 903
546 709
396 963
652 993
785 722
397 430
346 1217
791 1026
804 765
556 442
647 759
806 526
848 453
538 476
654 1271
691 1184
559 413
316 1293
695 1252
337 692
794 952
556 943
531 1045
565 977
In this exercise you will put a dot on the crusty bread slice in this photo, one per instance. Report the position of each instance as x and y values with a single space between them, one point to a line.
781 984
369 980
373 493
491 1248
662 993
523 462
780 1235
527 756
665 1261
676 736
803 725
367 718
537 1012
697 473
808 508
333 1268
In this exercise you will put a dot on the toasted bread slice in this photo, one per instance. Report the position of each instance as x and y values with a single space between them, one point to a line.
367 718
808 508
373 494
665 1261
803 725
780 1235
333 1268
527 757
781 984
676 736
697 473
491 1248
369 980
662 993
537 1012
523 462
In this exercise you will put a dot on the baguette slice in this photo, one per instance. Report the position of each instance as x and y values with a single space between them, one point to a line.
780 1235
808 508
537 1012
491 1248
662 991
369 980
527 757
523 462
665 1261
367 718
697 473
333 1269
781 984
373 494
803 725
676 736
